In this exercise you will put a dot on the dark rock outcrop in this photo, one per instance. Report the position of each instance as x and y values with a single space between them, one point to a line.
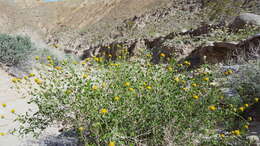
222 52
244 19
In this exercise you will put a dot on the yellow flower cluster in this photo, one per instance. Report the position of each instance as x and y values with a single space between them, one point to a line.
228 72
114 64
98 59
15 80
236 132
31 75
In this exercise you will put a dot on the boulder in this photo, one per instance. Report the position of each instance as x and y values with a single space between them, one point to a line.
223 52
244 19
219 52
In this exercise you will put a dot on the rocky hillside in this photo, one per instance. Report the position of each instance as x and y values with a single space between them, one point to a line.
51 16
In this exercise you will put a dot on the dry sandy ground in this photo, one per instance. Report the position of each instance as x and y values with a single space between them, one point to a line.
13 100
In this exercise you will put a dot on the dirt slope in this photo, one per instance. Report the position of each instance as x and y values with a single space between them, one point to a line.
71 13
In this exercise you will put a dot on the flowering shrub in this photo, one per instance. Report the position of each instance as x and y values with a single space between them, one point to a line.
14 49
129 103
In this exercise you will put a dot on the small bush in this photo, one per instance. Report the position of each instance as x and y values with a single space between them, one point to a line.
130 103
247 80
14 49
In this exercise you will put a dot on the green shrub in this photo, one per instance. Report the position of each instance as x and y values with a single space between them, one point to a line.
130 103
247 81
14 49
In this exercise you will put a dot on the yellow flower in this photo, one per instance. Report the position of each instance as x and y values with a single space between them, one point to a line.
58 67
184 89
169 68
55 45
176 79
4 105
149 87
246 126
85 76
246 105
242 108
94 87
195 97
96 59
179 65
205 73
87 59
25 77
116 98
236 132
162 55
37 80
187 63
228 72
194 85
114 64
83 63
12 111
49 57
109 55
37 57
148 55
103 111
2 134
250 118
68 91
111 143
206 79
14 80
131 89
256 99
127 84
222 135
81 129
212 108
31 75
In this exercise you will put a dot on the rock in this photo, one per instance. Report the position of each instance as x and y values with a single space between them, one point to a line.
253 139
244 19
223 52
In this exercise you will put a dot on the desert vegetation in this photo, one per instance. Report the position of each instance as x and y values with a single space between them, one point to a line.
146 80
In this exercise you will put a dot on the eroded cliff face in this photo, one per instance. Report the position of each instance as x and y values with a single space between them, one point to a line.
76 14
